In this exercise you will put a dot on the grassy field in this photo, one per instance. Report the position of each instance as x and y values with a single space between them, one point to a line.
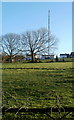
37 88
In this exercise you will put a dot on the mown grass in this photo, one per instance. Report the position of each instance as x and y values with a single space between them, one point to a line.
38 88
59 65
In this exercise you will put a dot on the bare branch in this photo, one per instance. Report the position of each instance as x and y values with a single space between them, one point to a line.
37 41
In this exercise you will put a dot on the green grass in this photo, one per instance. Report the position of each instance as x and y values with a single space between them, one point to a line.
31 88
59 65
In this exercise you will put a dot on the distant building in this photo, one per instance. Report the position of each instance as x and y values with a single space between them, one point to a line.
47 57
72 55
5 58
17 58
64 55
28 57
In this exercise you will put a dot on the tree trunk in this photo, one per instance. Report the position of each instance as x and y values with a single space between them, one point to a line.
32 58
10 59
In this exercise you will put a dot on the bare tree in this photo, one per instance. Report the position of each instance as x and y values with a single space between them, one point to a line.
36 42
10 45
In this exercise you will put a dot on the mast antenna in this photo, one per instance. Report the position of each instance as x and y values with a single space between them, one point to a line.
48 30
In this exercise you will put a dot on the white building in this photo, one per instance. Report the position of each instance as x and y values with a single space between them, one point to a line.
47 57
64 55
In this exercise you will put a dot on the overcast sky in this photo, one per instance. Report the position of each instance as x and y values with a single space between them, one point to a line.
19 17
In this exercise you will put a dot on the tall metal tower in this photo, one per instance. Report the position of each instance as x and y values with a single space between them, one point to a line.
48 30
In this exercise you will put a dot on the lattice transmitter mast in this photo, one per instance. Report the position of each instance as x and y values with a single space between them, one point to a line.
48 31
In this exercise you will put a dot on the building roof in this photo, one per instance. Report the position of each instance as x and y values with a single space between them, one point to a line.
64 54
47 55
